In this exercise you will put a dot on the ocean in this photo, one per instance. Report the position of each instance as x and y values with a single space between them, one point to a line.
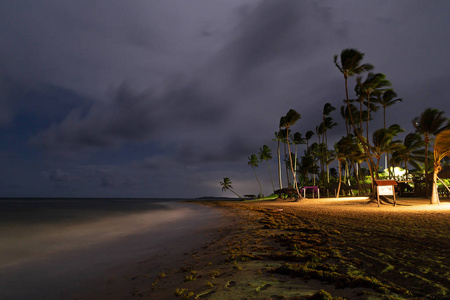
55 248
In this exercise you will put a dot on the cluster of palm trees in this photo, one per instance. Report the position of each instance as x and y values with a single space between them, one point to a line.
357 147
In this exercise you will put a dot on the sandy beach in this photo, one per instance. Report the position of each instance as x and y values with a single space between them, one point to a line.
311 249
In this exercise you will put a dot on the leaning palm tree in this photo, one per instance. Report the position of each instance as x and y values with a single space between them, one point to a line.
287 121
430 122
441 150
266 154
226 185
253 162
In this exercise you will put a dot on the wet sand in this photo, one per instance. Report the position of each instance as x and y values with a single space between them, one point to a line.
346 247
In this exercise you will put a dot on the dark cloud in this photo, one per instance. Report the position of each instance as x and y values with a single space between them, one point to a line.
173 91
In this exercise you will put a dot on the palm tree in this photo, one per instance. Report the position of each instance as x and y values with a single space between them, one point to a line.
226 185
383 143
266 154
350 64
297 139
374 84
278 138
308 136
341 149
314 152
253 162
287 121
386 99
410 151
430 122
307 166
441 150
327 121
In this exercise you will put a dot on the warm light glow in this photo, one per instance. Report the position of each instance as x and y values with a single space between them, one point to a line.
398 172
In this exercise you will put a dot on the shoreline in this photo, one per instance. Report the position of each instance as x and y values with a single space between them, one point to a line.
327 247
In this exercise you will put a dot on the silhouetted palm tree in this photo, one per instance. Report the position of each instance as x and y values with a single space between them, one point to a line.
278 138
297 139
342 149
226 185
382 140
430 122
350 64
287 121
386 99
409 152
373 85
266 154
308 136
253 162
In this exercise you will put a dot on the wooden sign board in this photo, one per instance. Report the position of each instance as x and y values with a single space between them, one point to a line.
386 188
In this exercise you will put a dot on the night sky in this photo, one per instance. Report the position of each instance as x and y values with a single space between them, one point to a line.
165 98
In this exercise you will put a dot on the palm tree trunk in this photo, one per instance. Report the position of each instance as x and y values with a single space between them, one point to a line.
285 162
427 140
340 179
361 139
270 173
260 189
236 194
279 166
434 191
292 166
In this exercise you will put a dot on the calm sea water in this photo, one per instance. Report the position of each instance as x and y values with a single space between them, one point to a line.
50 248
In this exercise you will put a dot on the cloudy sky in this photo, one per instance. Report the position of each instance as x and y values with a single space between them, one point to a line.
164 98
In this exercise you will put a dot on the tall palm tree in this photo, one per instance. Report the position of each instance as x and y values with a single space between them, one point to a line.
287 121
253 162
374 84
278 138
350 64
265 153
327 120
308 135
226 185
430 122
386 99
297 139
328 123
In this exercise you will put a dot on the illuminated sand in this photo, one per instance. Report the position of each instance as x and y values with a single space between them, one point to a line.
406 248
